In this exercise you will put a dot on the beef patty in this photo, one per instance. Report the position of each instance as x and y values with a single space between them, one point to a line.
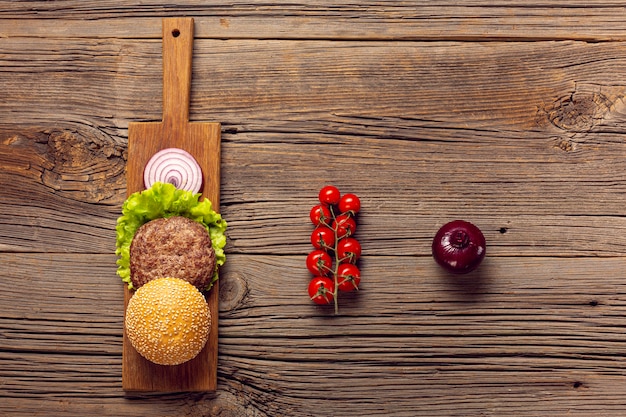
175 247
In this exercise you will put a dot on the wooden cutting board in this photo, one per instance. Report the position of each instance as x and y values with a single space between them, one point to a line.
202 140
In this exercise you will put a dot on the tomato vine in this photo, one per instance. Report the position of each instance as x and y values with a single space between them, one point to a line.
333 261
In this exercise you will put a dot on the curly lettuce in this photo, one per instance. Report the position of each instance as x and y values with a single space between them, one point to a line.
165 200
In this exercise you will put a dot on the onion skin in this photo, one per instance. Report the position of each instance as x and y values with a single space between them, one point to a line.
459 247
175 166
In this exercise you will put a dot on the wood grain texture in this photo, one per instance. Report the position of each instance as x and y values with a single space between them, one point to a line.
509 115
484 20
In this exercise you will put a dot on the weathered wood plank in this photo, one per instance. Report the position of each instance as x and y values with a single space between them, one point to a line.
416 20
534 87
522 332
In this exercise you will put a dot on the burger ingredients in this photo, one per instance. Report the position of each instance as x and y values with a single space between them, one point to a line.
349 203
168 321
320 214
163 200
348 250
172 247
321 290
348 277
173 166
323 237
344 224
333 261
459 247
329 195
319 262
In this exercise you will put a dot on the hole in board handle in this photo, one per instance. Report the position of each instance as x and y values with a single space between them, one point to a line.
175 33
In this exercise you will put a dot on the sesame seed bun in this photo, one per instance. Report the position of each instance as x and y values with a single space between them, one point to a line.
168 321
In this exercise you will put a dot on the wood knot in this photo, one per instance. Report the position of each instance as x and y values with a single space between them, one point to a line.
233 290
565 145
579 111
86 165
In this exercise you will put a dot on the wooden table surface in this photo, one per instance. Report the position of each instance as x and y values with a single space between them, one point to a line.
508 114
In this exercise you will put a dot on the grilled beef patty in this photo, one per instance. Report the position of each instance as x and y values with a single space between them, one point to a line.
175 247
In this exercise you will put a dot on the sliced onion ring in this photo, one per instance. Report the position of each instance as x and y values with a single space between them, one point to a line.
175 166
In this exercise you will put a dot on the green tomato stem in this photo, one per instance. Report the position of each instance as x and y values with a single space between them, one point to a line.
336 263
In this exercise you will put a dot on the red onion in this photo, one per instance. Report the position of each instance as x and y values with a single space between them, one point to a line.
174 166
459 247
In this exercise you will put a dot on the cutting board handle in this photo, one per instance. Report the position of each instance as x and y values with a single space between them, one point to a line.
177 56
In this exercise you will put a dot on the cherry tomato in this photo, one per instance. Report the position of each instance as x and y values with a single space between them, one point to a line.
322 290
348 250
323 237
320 214
350 203
329 195
348 277
345 225
319 262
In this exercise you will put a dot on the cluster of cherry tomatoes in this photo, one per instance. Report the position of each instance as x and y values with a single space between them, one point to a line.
336 252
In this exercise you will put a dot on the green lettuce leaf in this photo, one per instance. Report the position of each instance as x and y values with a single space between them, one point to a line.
165 200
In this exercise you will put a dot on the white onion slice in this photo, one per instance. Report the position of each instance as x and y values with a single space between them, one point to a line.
175 166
